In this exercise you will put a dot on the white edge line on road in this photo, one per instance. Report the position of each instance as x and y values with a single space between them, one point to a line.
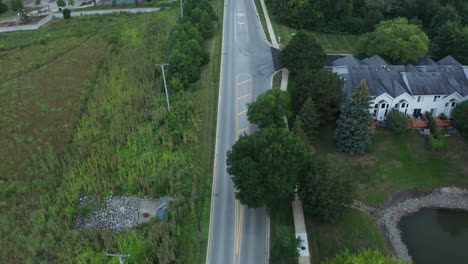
208 253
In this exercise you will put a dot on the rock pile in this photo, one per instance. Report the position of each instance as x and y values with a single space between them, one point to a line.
115 213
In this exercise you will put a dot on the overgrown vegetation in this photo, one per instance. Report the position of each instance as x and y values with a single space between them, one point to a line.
363 257
397 121
460 118
123 141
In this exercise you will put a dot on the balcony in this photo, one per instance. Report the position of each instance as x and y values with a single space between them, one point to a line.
417 122
442 121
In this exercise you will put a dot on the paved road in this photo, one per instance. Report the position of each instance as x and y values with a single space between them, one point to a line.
238 235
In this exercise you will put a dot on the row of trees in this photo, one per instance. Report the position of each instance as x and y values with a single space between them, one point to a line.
359 16
400 41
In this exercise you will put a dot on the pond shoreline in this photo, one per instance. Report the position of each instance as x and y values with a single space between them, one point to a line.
408 202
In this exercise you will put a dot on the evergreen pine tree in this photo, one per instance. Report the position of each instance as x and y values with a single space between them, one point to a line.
309 117
352 134
299 129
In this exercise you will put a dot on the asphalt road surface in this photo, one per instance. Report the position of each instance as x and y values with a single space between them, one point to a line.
237 234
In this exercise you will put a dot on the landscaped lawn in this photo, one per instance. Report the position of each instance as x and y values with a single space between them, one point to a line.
354 231
396 162
331 43
393 162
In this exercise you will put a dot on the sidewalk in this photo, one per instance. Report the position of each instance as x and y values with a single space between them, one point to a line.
298 212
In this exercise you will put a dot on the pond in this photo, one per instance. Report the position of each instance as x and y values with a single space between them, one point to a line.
435 236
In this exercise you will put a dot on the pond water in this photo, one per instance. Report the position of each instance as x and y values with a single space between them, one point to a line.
436 236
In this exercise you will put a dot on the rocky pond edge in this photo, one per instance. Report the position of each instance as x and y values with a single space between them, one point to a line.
408 202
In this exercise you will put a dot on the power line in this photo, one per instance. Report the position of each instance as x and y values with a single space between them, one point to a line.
165 86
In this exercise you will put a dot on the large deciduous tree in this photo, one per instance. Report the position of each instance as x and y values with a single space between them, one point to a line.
265 167
324 87
396 40
460 117
444 15
270 109
303 53
366 256
353 134
452 39
326 189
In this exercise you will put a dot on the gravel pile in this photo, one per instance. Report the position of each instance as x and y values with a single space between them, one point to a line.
116 213
451 198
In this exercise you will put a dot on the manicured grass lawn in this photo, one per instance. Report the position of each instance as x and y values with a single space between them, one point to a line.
262 19
354 231
331 43
396 162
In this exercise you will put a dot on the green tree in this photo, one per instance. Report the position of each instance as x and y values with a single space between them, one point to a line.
444 15
366 256
460 117
265 167
202 21
298 129
270 109
61 3
303 53
66 13
71 2
3 7
396 40
397 121
326 189
284 248
323 86
451 40
310 118
353 134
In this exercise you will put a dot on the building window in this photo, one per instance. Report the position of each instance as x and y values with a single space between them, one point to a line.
382 106
376 106
433 111
437 98
403 105
454 104
396 106
375 113
420 99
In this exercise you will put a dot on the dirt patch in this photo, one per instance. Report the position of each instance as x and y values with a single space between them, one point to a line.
366 160
17 22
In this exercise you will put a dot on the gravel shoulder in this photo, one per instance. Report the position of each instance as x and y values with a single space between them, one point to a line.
404 203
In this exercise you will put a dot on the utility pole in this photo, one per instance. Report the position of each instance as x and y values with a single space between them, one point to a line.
120 256
165 85
181 10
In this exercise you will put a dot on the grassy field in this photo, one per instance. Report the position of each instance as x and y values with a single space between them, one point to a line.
86 89
354 232
393 162
396 162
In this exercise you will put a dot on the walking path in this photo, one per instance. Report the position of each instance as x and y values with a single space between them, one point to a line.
298 212
77 13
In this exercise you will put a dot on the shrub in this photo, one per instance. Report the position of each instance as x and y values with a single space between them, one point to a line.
3 7
436 142
397 121
431 122
61 3
460 117
66 13
285 245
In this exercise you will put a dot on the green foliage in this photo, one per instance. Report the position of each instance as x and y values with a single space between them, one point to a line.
202 21
61 3
397 121
436 141
66 13
431 123
264 167
326 189
451 40
309 117
284 248
444 15
460 117
353 134
325 87
396 40
366 256
71 2
37 2
270 109
16 5
3 7
303 53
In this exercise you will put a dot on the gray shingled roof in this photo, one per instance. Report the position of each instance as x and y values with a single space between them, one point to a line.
431 79
375 60
347 60
425 61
